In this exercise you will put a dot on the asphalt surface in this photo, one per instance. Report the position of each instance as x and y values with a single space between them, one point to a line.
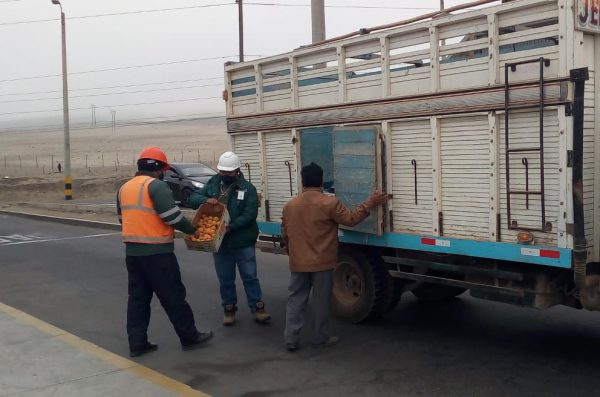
74 278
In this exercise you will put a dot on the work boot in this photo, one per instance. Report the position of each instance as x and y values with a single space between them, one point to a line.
150 347
332 340
201 338
229 315
260 315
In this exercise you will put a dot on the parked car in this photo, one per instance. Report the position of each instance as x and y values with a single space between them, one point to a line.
185 178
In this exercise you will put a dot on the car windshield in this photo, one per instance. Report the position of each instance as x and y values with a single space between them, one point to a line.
198 170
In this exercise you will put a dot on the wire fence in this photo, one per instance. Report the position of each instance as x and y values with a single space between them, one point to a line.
44 164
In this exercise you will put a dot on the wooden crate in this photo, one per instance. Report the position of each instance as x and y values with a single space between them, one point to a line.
213 245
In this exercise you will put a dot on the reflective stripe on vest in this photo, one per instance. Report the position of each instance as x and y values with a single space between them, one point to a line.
141 223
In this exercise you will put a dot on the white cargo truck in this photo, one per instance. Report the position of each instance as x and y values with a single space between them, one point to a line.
483 126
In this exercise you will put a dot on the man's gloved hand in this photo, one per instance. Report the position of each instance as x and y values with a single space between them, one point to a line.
212 201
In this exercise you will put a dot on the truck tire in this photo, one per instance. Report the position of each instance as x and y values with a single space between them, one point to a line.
434 292
359 287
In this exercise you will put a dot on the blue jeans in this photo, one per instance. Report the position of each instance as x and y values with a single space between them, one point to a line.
225 263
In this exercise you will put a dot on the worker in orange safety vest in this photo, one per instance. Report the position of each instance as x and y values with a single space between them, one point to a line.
148 215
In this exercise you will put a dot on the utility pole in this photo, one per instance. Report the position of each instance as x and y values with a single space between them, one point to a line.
93 115
317 12
241 28
68 179
114 120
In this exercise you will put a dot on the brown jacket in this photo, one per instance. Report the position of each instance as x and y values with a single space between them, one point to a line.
309 229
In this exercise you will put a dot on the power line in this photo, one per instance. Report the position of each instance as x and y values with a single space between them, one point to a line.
112 106
112 14
114 93
208 6
114 86
127 67
81 126
338 6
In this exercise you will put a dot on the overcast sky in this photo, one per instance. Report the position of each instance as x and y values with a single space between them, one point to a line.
195 37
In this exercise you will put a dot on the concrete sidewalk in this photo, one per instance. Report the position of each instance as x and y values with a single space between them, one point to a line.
38 359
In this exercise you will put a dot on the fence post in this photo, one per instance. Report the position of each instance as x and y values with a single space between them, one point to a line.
4 161
86 162
20 162
102 154
36 162
52 163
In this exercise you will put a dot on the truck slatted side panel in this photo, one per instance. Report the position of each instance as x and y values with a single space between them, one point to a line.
276 86
411 141
589 163
363 71
528 34
464 61
524 133
465 178
247 147
243 91
278 150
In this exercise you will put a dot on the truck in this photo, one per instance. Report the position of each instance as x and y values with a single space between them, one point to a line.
482 124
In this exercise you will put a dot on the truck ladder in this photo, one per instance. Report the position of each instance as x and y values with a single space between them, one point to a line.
513 224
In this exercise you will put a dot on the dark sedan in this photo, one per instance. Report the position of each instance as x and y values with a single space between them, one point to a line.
185 178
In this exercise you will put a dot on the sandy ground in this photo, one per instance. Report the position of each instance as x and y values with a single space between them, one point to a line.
101 161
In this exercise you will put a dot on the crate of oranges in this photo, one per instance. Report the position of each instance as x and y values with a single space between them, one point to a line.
212 221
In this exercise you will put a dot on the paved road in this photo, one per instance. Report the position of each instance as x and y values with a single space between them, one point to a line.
74 278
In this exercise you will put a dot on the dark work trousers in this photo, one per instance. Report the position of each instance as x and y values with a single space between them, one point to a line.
157 274
298 292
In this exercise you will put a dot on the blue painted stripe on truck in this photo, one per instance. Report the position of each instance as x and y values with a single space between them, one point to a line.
481 249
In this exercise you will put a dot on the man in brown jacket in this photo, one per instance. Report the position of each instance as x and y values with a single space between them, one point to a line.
309 231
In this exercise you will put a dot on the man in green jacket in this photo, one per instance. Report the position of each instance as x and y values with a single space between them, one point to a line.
238 247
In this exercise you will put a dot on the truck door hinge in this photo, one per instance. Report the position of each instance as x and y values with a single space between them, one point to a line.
570 158
569 109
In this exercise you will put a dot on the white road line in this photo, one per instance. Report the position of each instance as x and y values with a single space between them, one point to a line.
60 239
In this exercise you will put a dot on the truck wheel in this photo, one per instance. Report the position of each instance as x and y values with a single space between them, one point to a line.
359 287
434 292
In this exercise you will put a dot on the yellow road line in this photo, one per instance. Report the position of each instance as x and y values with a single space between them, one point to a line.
113 359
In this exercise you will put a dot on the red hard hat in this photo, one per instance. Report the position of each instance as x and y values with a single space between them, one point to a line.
157 154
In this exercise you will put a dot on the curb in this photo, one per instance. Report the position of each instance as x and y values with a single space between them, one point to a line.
71 221
66 221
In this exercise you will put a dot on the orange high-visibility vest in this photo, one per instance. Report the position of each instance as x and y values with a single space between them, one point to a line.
141 223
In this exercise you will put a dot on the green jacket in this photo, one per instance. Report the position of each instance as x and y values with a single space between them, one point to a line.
242 205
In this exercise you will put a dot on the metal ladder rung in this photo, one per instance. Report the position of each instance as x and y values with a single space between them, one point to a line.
532 106
524 149
525 192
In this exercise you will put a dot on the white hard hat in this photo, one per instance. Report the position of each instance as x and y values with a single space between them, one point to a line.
229 161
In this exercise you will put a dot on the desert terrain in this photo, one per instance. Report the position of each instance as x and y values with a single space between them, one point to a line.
101 160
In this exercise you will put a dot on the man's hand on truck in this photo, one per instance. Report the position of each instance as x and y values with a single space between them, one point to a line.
376 199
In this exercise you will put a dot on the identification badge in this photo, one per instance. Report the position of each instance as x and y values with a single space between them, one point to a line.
241 194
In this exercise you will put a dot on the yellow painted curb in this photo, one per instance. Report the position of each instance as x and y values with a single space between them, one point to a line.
113 359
